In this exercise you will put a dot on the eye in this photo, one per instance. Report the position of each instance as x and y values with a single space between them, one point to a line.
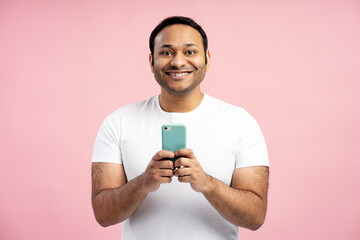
166 53
190 52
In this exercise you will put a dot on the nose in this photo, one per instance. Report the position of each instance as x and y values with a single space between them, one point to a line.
178 60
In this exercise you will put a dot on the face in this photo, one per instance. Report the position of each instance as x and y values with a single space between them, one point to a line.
179 59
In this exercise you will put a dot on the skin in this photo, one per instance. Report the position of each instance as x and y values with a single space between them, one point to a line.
179 50
244 203
114 199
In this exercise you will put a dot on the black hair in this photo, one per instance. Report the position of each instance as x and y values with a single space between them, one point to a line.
177 20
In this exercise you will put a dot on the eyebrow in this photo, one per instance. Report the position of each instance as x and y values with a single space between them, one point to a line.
170 45
166 46
190 44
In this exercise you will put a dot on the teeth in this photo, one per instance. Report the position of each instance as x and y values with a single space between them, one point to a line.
179 74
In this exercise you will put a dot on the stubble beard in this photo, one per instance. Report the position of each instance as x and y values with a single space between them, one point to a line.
183 91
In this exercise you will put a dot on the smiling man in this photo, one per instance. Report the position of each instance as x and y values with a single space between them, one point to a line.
221 179
179 74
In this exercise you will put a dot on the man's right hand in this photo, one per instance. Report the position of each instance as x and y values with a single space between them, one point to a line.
114 199
158 171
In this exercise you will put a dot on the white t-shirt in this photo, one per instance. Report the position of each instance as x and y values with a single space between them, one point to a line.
222 136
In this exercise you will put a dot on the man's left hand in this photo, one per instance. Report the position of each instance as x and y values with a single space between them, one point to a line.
189 170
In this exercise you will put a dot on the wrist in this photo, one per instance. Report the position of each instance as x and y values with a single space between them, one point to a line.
209 184
141 184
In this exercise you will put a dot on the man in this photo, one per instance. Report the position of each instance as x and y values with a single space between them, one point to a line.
219 182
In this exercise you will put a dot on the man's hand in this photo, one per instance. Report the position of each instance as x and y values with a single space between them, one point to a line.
189 170
158 171
114 199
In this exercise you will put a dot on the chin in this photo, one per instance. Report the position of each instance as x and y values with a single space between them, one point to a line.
178 88
180 91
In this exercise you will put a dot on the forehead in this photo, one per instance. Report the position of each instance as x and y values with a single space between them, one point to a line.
178 35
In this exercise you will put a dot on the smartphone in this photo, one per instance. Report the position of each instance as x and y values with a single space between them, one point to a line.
173 138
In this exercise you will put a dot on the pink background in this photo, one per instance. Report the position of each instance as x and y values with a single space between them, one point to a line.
65 65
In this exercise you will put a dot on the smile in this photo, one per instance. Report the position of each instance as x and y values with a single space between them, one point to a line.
175 74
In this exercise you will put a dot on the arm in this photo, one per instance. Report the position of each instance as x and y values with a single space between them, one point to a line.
244 203
114 199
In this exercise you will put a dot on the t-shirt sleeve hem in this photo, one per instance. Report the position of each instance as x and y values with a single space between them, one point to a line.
109 160
252 165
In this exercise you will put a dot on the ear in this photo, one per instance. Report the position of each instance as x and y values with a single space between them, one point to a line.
150 62
208 60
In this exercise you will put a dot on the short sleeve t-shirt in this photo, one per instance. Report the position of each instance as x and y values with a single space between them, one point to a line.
222 136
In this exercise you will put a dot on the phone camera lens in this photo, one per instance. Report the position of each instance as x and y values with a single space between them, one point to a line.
165 128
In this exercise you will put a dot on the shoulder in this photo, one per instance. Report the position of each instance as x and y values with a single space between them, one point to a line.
134 107
139 106
226 109
130 111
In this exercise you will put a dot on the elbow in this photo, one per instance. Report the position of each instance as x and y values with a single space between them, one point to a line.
101 218
252 224
101 221
255 227
258 222
105 220
103 224
258 219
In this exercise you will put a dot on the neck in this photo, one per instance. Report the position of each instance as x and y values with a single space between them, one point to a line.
180 103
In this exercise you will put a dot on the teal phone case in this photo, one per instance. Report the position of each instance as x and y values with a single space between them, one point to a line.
173 138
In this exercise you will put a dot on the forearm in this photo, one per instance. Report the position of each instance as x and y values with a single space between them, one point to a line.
240 207
112 206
